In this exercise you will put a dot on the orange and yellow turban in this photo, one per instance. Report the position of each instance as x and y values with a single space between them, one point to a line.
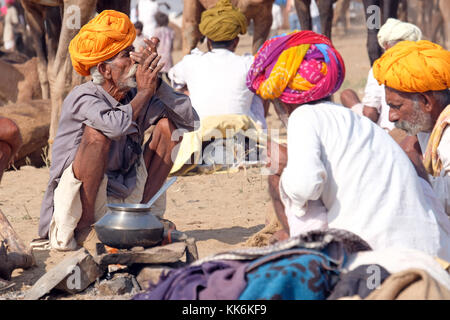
101 39
297 68
223 22
414 66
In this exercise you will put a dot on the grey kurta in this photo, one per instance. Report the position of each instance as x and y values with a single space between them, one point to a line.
90 105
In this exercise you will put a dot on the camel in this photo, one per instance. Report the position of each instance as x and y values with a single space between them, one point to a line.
341 14
326 15
430 18
53 24
375 19
260 11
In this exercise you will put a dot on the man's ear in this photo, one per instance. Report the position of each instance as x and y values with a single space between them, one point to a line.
427 101
105 70
208 44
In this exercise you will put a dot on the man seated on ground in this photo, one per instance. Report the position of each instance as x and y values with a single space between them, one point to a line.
373 104
339 170
215 80
10 142
98 156
417 80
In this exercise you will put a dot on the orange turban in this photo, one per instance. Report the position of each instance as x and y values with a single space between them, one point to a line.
411 66
101 39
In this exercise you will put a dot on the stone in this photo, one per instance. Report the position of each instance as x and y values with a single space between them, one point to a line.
74 274
191 250
156 255
150 274
119 285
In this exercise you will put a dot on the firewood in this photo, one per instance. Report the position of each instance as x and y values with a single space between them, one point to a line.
13 252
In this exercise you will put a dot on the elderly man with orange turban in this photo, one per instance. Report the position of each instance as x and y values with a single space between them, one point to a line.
99 153
417 80
339 170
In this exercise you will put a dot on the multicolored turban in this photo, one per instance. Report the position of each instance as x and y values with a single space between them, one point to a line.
297 67
101 39
223 22
411 66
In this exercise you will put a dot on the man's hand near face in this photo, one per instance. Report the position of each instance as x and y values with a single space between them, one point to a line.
146 75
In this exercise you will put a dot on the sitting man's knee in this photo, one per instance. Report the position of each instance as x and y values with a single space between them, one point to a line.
165 129
10 133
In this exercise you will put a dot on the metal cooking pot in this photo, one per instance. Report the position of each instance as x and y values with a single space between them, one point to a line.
130 225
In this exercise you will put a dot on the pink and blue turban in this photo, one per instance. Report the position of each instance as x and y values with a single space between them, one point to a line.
297 67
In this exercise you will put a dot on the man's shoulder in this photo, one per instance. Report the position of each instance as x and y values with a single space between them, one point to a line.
88 89
85 88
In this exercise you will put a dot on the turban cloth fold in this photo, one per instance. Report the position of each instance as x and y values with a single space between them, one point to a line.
431 160
101 39
298 67
414 67
396 30
223 22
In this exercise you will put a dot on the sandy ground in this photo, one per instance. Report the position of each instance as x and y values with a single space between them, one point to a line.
220 211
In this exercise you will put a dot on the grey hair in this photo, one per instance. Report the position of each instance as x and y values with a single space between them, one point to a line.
442 97
97 77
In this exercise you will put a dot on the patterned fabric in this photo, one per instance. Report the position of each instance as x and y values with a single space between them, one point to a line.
291 275
431 160
215 280
361 281
315 257
297 67
314 240
414 66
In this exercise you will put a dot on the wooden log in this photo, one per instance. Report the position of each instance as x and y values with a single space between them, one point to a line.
14 253
33 120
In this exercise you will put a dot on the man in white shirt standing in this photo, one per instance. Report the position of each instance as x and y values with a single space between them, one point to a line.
340 170
215 80
373 104
417 80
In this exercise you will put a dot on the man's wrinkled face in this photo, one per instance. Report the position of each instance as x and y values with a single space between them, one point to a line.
406 112
123 70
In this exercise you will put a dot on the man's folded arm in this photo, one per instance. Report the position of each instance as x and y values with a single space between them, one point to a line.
112 122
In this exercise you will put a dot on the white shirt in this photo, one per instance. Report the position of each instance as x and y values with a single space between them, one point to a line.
216 81
147 10
365 181
441 184
375 97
